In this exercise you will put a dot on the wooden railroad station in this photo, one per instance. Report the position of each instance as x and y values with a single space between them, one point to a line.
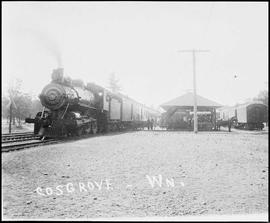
179 113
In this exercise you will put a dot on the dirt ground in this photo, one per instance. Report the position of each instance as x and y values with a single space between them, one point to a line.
106 176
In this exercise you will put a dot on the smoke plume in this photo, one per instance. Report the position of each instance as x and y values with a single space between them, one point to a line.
44 40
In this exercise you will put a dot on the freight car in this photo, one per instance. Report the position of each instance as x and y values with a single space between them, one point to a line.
251 115
72 108
248 116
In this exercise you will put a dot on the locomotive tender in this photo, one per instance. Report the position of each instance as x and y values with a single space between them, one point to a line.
248 116
72 108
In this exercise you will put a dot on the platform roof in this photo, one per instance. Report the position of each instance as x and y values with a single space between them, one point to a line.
187 101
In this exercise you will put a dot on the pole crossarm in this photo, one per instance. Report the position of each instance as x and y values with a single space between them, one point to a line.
195 50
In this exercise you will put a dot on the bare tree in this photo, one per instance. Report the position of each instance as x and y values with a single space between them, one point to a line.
5 107
263 97
114 85
14 92
21 103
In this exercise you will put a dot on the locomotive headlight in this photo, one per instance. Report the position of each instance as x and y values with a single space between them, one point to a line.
52 96
100 94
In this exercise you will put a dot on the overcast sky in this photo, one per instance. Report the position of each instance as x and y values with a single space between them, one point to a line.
139 42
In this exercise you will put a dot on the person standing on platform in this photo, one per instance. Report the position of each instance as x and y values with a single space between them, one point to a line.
229 125
152 124
148 124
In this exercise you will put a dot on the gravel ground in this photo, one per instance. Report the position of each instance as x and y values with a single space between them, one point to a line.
213 173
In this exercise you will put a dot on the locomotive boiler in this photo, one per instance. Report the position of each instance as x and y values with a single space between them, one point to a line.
72 108
69 108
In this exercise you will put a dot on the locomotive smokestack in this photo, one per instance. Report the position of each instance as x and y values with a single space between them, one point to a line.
58 74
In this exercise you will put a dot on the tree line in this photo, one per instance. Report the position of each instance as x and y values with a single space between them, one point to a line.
263 97
24 105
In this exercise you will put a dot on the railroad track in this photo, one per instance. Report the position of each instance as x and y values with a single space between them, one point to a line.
7 147
17 141
16 133
17 137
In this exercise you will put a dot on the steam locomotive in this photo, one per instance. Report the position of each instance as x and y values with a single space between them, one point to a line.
249 116
71 108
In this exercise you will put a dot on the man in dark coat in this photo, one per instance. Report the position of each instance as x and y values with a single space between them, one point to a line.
152 124
229 124
148 123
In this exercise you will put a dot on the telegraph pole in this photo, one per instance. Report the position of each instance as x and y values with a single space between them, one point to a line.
10 118
194 51
11 104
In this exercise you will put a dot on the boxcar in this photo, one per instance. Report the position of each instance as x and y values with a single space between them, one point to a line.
251 115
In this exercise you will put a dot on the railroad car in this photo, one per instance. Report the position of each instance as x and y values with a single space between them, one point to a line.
226 113
251 115
248 116
72 108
